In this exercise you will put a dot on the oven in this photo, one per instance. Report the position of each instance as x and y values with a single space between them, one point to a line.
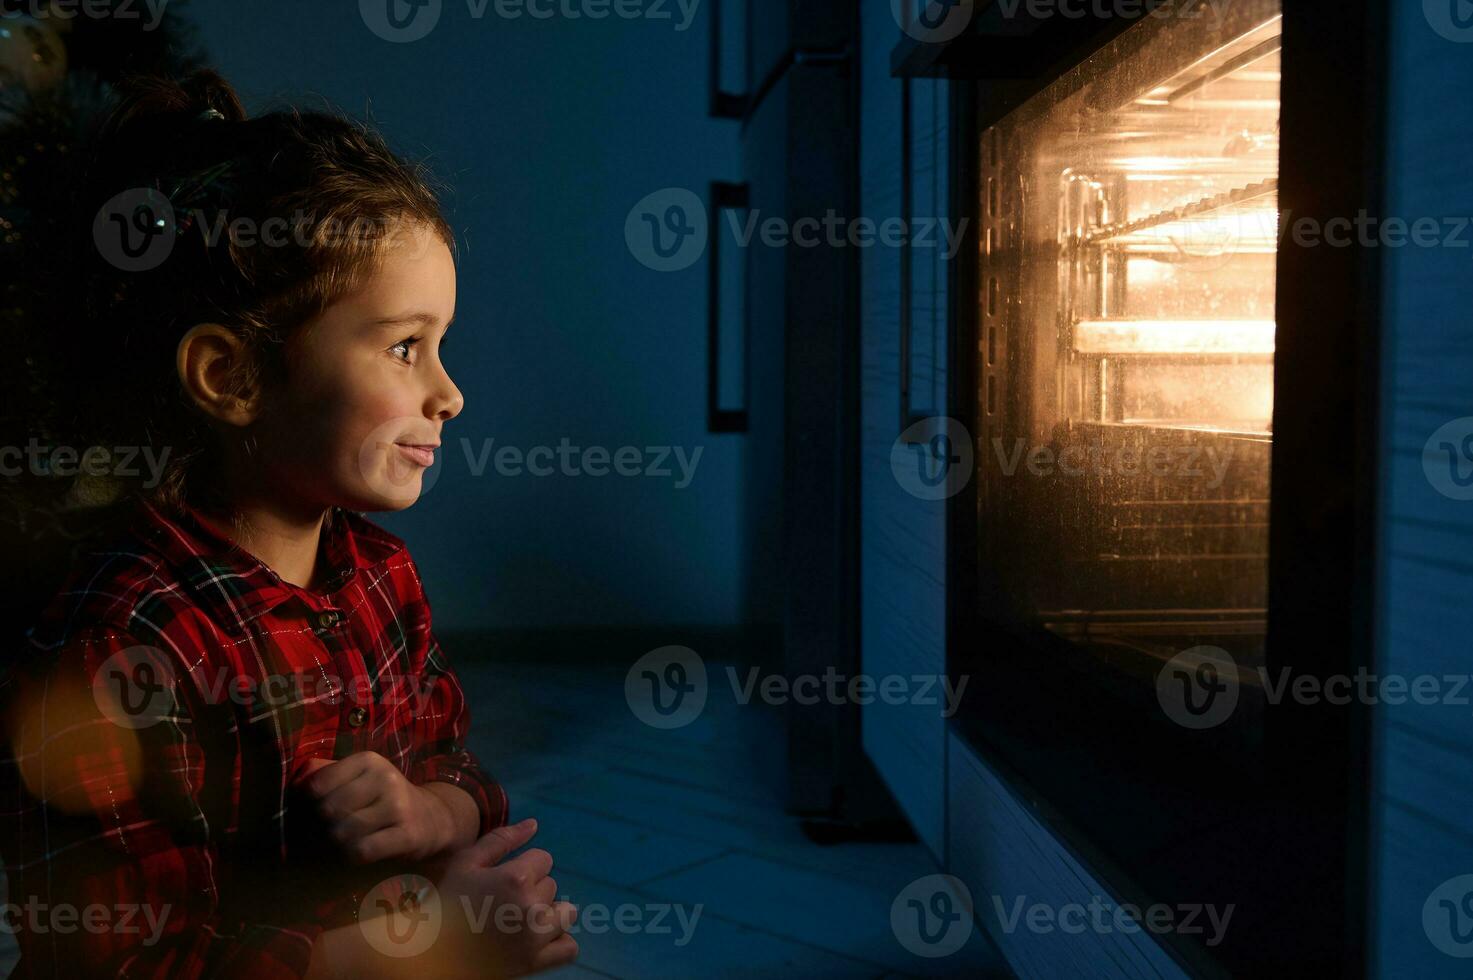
1171 399
1125 366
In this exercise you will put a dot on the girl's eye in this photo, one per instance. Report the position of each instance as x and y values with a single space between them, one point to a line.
408 345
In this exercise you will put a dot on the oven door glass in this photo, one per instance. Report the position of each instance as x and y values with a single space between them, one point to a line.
1126 343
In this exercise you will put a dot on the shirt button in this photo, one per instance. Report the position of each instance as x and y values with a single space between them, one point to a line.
357 716
327 619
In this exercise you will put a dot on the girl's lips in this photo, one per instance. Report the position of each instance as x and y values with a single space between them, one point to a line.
423 455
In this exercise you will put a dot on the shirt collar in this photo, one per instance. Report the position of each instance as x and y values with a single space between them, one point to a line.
234 585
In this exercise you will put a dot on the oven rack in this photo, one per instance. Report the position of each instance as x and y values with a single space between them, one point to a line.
1196 209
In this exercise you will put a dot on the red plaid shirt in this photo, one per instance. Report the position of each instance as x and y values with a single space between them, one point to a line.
171 693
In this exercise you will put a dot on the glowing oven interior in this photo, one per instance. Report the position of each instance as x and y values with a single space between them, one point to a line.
1126 340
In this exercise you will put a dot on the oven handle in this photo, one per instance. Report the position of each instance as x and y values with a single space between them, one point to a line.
723 105
723 196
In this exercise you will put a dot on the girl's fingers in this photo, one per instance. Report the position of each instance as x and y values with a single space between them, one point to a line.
497 843
387 843
560 952
374 816
536 862
328 778
545 891
351 796
567 914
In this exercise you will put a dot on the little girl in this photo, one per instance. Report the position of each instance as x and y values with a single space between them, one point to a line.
233 745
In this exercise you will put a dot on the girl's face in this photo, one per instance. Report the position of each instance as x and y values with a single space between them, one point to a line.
366 385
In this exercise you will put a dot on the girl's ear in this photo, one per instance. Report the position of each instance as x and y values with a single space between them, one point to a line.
207 356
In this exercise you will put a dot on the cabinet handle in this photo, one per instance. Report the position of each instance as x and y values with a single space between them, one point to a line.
724 105
723 196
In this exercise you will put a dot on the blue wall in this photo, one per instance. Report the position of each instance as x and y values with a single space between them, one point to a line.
1421 835
550 131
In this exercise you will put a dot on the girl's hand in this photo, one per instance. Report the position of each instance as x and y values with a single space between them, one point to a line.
519 926
374 812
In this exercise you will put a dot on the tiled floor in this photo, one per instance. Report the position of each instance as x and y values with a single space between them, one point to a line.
647 826
692 817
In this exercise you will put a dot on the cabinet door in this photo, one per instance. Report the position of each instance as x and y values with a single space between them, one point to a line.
903 560
775 28
764 167
769 36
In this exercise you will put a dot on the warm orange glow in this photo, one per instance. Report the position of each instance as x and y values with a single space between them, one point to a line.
1174 337
70 755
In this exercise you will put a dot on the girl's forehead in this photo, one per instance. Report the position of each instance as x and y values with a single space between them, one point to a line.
424 269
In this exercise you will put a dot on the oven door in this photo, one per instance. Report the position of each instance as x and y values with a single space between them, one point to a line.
1173 409
1126 365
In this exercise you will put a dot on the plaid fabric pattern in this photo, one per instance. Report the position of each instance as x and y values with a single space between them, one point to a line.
171 693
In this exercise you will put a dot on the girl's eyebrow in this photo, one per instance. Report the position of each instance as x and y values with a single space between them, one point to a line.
420 317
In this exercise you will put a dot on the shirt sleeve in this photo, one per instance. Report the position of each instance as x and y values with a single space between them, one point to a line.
441 724
112 863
